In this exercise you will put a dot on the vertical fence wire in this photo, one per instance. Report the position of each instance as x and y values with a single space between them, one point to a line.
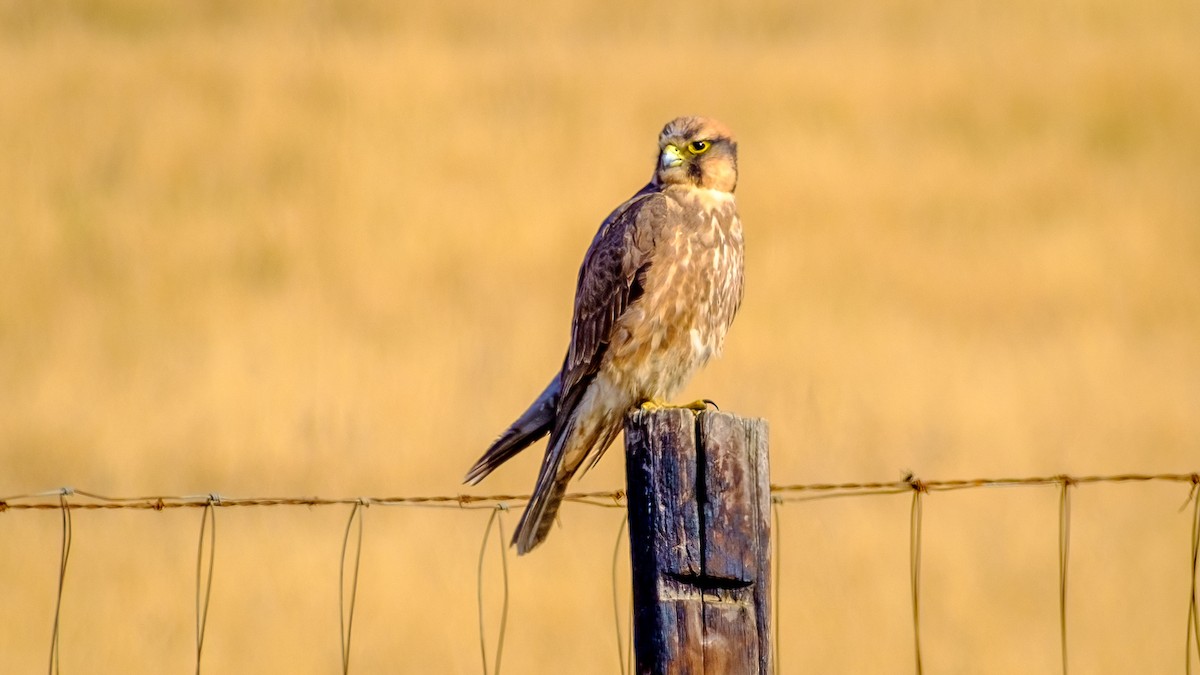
914 567
776 582
497 521
346 623
64 555
1064 550
500 542
629 638
1193 627
616 597
208 525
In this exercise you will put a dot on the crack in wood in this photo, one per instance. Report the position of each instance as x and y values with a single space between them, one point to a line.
705 582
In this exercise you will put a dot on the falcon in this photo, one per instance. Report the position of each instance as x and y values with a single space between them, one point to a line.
657 291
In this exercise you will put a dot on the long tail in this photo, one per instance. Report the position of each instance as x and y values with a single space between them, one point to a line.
536 422
570 443
547 496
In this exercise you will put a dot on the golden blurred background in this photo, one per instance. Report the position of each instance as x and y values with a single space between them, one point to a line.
328 248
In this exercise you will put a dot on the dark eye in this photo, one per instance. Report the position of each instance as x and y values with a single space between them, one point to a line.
699 147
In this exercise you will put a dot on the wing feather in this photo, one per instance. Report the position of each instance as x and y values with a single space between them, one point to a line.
610 279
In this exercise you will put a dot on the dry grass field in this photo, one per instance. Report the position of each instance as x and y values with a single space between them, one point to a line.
328 248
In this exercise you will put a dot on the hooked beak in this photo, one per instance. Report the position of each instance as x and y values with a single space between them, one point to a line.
671 157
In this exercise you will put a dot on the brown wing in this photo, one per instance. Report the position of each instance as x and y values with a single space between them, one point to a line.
610 280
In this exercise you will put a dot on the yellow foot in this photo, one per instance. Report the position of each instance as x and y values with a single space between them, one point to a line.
699 405
654 404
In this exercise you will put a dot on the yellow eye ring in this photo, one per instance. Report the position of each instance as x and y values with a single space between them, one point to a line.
699 147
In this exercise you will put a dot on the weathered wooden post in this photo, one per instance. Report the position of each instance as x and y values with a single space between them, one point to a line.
700 542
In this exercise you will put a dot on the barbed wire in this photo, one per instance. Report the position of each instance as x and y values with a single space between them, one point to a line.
56 499
60 500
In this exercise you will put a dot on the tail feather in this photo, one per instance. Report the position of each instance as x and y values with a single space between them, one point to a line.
547 496
534 423
570 444
539 516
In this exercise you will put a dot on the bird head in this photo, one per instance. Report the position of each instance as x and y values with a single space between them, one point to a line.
697 151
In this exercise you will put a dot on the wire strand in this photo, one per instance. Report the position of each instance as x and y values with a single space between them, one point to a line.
64 556
914 565
500 542
607 499
629 653
209 514
347 624
1193 627
1064 549
479 590
776 540
83 500
615 597
495 521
